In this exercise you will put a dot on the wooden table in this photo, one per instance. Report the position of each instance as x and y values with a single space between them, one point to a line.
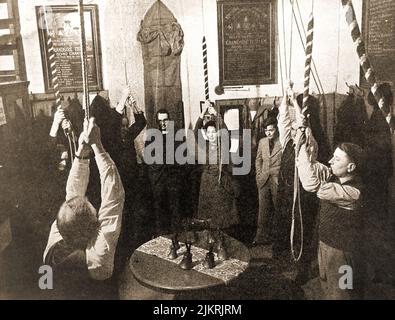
152 275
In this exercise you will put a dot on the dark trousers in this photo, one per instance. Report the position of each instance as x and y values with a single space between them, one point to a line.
166 199
247 206
137 221
282 227
267 209
333 264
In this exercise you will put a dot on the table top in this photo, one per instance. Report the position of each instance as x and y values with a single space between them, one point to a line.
152 267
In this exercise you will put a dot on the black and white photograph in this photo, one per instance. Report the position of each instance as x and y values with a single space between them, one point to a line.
208 152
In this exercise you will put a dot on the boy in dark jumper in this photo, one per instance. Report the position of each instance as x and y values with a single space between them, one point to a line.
339 189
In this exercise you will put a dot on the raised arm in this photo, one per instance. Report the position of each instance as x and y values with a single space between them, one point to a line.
199 123
139 119
284 123
120 107
100 252
316 177
344 196
139 124
77 183
198 127
78 179
311 173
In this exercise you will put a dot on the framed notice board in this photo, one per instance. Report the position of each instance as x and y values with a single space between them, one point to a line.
62 25
247 41
379 35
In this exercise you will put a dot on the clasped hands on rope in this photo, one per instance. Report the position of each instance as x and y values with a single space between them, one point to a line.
301 116
208 109
89 138
303 133
61 120
127 100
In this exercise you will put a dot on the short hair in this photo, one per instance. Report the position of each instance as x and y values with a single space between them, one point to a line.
270 121
77 222
162 111
210 123
356 155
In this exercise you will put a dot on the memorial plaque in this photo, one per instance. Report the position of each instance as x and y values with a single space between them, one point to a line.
247 42
379 35
62 25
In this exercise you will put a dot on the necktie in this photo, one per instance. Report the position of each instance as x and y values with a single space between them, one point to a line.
271 145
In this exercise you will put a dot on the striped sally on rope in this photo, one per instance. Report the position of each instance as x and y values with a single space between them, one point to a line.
309 56
360 46
52 61
207 97
205 68
54 73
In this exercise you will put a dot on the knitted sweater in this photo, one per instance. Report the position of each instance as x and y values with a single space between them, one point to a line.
341 228
340 213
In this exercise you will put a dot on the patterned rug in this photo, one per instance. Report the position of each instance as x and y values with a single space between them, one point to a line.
224 270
